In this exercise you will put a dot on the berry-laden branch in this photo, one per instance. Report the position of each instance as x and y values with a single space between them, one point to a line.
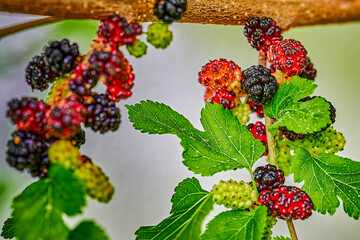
233 12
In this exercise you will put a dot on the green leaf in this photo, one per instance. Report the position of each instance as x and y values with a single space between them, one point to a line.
226 143
280 238
301 117
190 206
8 229
327 177
88 230
39 208
237 225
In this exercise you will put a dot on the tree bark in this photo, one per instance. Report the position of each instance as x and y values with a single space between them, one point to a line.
287 13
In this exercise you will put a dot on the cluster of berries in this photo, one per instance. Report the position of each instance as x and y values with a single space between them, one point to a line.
287 57
284 202
50 132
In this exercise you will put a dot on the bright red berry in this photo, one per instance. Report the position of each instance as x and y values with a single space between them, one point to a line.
256 108
221 74
28 114
259 131
225 98
262 33
116 29
63 121
288 56
268 177
287 203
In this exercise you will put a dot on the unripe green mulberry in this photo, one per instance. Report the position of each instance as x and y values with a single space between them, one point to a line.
138 49
158 35
270 223
283 156
242 111
234 195
329 141
65 153
96 182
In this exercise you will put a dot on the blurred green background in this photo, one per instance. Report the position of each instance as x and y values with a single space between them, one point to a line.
145 169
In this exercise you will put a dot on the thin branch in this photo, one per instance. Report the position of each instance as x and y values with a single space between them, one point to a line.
23 26
288 13
292 231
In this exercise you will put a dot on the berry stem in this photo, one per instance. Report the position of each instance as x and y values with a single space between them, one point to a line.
271 142
23 26
292 231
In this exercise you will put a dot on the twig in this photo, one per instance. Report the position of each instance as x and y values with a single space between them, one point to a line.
292 231
227 12
23 26
270 142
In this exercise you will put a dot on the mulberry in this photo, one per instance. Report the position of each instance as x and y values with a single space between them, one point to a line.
259 84
234 195
102 114
268 177
28 114
259 132
38 74
221 74
29 151
289 56
117 30
170 10
96 182
61 55
63 121
262 33
225 98
287 203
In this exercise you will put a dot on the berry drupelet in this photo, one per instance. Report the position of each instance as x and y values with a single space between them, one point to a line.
170 10
61 55
225 98
117 30
102 114
259 84
262 33
28 113
287 203
38 74
288 56
268 177
27 150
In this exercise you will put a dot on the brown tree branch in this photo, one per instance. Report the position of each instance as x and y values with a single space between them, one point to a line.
23 26
288 13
